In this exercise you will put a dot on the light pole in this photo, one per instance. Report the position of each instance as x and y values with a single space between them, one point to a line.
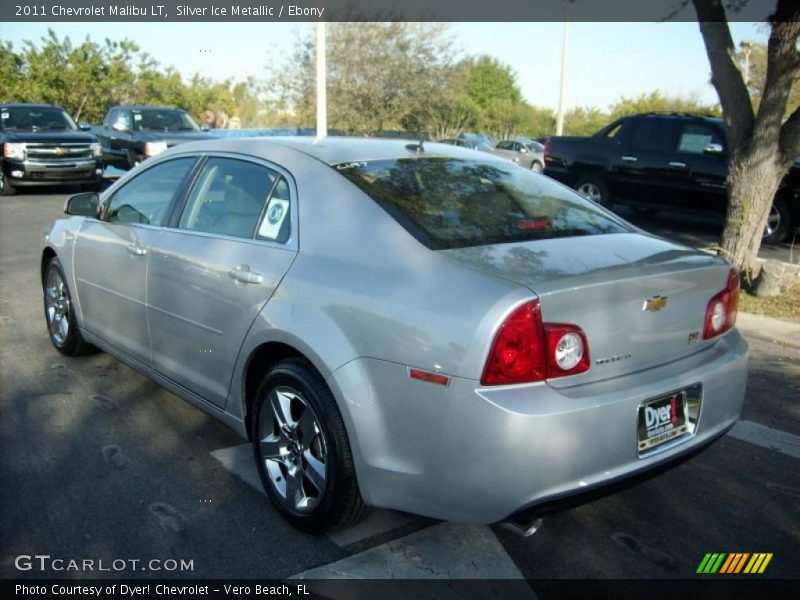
322 81
746 48
560 114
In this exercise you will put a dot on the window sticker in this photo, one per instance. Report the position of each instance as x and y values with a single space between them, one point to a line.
4 115
137 116
277 211
693 142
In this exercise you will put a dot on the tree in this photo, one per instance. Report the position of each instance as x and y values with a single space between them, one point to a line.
379 74
656 101
584 121
761 145
752 60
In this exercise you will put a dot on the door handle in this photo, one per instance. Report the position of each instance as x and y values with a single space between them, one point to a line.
629 158
677 165
136 250
243 274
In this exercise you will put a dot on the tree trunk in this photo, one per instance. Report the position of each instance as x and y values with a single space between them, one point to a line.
753 180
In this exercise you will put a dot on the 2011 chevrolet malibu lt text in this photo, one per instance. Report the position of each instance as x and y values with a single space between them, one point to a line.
413 326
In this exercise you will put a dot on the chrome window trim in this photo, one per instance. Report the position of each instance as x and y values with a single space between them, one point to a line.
294 237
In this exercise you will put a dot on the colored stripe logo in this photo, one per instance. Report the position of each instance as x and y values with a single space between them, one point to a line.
734 563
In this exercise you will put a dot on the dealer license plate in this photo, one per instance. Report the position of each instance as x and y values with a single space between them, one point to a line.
661 421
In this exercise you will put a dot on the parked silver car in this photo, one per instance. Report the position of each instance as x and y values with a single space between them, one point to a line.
412 326
529 155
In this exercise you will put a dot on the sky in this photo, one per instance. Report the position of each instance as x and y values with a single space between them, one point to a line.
604 60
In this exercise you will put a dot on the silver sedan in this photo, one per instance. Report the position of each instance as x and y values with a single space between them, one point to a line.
403 325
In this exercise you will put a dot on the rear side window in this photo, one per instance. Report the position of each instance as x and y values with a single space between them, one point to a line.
229 197
657 135
453 203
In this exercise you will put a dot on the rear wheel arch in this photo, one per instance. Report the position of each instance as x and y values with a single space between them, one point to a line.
261 360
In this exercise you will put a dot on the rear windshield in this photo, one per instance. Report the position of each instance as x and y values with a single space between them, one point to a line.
455 203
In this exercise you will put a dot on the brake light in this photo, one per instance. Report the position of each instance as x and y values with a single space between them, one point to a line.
722 308
526 350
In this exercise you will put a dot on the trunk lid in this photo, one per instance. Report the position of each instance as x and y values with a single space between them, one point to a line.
601 283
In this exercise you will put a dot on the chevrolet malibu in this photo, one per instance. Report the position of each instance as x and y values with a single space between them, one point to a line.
415 326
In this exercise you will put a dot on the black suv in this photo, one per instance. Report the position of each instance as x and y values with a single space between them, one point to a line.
661 161
42 145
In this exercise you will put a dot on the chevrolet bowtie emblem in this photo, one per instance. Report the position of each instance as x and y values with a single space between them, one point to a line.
60 151
655 303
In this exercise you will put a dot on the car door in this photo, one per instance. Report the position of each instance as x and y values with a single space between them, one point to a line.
700 169
642 170
505 149
116 137
216 267
112 254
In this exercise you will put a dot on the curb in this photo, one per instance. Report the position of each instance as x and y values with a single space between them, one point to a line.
781 332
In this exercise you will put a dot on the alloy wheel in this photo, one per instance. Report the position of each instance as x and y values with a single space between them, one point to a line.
293 448
57 306
773 221
591 191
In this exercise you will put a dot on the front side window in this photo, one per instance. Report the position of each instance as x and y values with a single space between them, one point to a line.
694 138
146 198
453 203
229 197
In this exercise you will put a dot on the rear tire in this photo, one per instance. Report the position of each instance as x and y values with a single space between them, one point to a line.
59 313
779 222
302 451
594 188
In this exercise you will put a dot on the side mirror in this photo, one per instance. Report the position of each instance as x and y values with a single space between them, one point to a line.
84 126
713 149
204 127
523 150
82 205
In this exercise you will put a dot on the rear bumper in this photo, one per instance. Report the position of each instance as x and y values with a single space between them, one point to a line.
479 455
53 172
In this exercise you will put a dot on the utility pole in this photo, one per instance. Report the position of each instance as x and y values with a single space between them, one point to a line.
322 83
560 115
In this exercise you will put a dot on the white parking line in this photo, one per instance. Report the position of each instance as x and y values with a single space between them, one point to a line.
767 437
444 551
239 461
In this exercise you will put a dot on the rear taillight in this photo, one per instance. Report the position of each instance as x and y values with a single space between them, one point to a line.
546 151
525 349
722 308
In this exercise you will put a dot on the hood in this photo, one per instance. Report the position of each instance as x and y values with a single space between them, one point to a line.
173 138
44 136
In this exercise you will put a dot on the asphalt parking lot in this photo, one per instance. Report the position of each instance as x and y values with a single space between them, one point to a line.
99 463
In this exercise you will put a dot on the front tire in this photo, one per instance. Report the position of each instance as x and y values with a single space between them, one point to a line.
594 188
537 167
59 313
6 189
779 222
302 451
